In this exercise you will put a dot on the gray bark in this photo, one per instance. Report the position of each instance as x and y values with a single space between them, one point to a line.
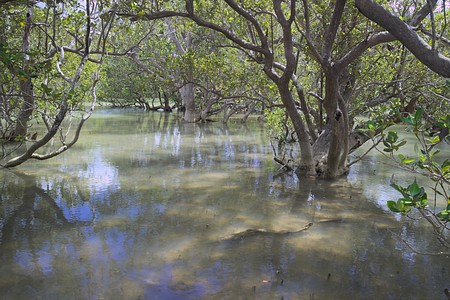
406 35
187 96
336 109
64 107
306 166
187 89
250 110
26 85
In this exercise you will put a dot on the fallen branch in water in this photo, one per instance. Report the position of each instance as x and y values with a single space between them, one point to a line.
284 165
253 232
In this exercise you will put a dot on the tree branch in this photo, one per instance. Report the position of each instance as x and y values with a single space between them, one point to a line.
330 34
406 35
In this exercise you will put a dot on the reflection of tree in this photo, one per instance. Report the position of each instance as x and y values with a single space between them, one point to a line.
32 238
37 209
161 225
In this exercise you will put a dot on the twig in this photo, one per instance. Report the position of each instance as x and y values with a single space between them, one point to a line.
365 153
416 251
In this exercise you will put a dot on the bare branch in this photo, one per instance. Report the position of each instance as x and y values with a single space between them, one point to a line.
307 33
440 38
332 29
84 118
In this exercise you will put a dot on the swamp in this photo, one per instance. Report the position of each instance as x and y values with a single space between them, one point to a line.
145 207
224 149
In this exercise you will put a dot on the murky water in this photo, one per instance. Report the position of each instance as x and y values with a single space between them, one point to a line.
144 207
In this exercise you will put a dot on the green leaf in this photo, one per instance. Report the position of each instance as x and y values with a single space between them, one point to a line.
423 203
407 202
418 115
392 136
434 140
435 152
402 143
414 189
446 169
406 160
392 205
445 215
400 189
408 120
46 89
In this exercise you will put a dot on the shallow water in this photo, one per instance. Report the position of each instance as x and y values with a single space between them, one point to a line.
143 207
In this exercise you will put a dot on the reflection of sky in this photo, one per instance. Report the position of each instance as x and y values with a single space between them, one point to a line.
118 244
102 177
156 229
131 211
80 212
168 141
40 261
24 259
98 177
374 174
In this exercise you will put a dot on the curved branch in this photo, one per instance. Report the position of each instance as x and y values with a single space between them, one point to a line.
303 104
228 34
291 62
358 50
307 34
84 118
406 35
199 21
330 34
64 107
380 38
250 18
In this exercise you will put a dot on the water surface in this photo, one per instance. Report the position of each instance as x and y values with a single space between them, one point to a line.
143 207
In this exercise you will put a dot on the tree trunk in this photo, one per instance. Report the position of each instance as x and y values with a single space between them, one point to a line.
228 112
26 110
250 109
187 96
338 121
205 111
304 108
306 166
167 107
26 86
187 89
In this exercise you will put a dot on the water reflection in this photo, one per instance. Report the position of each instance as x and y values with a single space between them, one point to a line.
143 207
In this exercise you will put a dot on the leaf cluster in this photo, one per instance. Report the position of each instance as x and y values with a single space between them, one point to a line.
413 196
427 161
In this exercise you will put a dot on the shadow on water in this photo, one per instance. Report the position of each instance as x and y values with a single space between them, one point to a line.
146 207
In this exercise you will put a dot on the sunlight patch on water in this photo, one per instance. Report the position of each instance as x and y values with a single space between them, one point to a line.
112 221
145 206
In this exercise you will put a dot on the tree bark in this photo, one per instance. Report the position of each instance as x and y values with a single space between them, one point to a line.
338 150
187 88
336 112
406 35
64 108
306 166
207 108
187 96
26 85
250 110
